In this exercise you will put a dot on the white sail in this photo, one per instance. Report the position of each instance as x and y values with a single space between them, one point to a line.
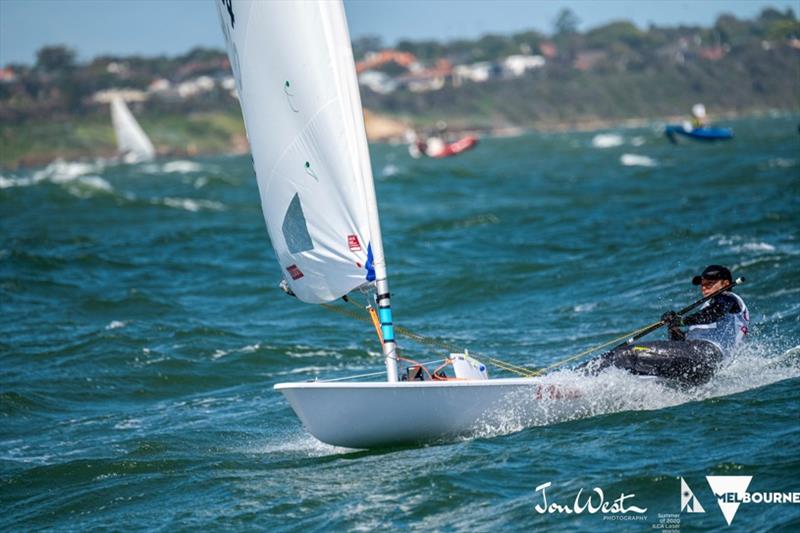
132 141
295 75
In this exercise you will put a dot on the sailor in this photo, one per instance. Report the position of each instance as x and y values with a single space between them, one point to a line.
722 321
690 357
698 116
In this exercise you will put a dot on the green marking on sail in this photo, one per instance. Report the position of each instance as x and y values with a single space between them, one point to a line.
310 172
286 87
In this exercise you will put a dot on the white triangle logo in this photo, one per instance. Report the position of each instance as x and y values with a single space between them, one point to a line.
689 503
726 486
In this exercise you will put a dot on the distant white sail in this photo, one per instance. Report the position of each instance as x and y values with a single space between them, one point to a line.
296 79
132 141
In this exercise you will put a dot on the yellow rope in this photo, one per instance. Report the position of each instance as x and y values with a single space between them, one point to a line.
503 365
594 348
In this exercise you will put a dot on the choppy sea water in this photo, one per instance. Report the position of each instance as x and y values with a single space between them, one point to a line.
142 331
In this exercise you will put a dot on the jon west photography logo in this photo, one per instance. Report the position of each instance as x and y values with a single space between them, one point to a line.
592 502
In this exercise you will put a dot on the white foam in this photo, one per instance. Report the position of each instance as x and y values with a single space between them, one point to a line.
757 247
87 186
637 141
219 354
738 244
302 443
607 140
615 390
781 163
116 324
310 352
390 170
584 308
73 174
130 423
634 160
60 171
250 348
181 167
190 204
22 182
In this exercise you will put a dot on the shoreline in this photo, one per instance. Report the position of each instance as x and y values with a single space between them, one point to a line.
381 128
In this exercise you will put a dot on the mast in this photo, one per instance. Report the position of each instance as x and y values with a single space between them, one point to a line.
382 285
376 243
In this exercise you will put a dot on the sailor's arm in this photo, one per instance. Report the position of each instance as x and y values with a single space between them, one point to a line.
717 309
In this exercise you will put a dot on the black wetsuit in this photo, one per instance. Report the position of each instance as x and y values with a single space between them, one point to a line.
686 361
717 308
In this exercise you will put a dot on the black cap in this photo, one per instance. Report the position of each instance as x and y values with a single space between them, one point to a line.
713 272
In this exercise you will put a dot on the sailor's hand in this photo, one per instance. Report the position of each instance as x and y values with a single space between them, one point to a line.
671 318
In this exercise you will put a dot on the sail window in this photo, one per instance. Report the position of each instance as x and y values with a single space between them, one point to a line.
295 230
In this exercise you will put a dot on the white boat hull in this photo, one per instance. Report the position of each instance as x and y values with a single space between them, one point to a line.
369 415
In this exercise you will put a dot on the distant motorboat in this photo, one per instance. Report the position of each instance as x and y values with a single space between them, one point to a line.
133 145
703 133
436 148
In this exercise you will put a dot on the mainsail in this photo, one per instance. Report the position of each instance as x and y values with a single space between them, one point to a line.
132 141
295 76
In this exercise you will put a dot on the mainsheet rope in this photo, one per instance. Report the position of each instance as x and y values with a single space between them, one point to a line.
503 365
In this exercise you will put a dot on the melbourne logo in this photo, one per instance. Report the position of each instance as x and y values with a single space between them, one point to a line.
730 491
689 502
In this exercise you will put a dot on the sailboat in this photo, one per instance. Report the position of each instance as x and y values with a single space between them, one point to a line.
133 145
296 79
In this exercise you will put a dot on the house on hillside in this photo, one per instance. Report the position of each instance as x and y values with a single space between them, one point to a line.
377 81
476 72
713 53
7 75
428 79
588 59
374 60
195 86
159 85
129 95
548 49
517 65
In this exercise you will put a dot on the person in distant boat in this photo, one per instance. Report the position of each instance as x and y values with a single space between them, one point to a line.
699 119
690 357
722 321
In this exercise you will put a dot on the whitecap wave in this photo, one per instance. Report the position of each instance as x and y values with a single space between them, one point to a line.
181 167
739 244
129 423
87 186
250 348
190 204
634 160
7 183
389 170
607 140
60 171
781 162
